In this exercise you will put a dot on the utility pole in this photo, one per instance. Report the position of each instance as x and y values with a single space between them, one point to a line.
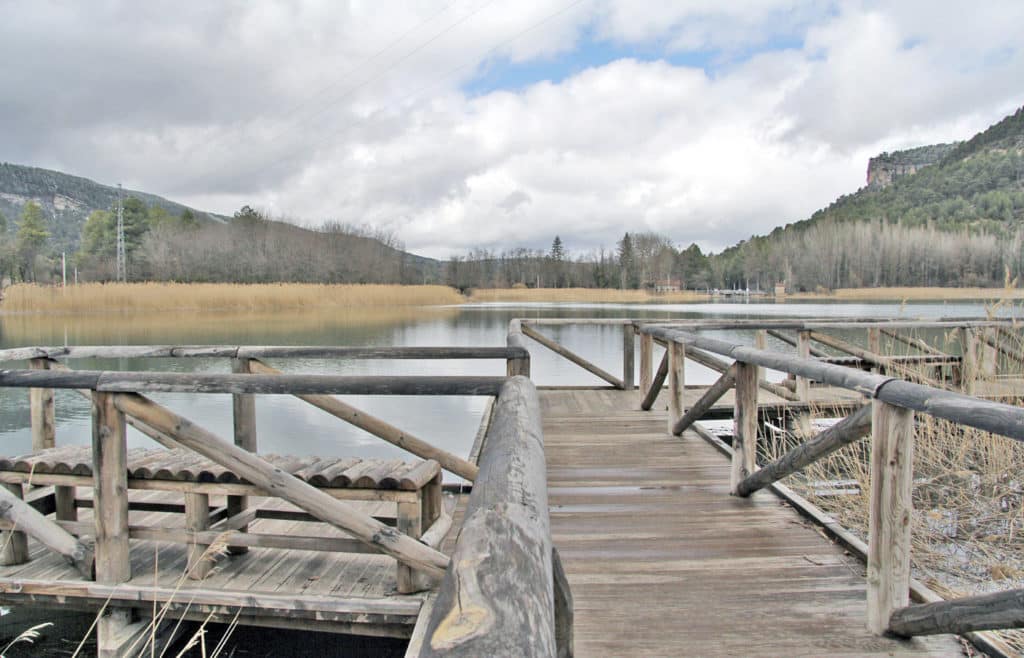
122 269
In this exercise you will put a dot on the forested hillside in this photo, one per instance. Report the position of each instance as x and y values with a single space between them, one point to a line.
45 213
957 219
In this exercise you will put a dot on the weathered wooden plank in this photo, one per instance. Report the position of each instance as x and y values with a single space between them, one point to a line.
975 613
571 356
814 351
803 350
890 508
744 435
276 482
852 428
497 596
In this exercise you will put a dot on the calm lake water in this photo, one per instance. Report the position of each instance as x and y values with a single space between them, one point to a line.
288 425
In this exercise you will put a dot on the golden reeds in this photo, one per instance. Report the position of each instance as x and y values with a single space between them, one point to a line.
136 297
584 295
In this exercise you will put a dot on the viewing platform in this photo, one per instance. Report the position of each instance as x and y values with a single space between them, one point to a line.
592 520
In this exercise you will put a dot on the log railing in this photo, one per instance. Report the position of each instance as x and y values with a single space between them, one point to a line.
503 556
889 420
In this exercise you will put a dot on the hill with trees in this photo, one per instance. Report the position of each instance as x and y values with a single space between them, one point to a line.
943 215
45 213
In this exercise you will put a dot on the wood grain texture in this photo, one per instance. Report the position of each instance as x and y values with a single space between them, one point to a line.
662 561
890 508
975 613
497 597
676 383
744 435
41 411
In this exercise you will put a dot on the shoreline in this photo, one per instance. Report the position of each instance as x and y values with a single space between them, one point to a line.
131 298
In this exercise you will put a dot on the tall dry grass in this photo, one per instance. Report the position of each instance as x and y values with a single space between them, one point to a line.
913 294
582 295
968 492
134 297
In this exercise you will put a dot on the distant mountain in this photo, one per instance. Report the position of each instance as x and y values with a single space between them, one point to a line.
67 200
945 214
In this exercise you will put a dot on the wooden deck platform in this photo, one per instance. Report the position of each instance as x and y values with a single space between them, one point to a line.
662 561
315 590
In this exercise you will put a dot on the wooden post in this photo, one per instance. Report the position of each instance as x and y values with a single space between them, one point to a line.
744 435
244 411
969 364
892 454
676 382
646 364
628 356
13 543
197 519
803 350
989 354
875 344
40 402
410 521
517 365
110 509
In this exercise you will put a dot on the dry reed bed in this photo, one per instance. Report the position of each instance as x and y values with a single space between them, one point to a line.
912 293
133 297
968 496
581 295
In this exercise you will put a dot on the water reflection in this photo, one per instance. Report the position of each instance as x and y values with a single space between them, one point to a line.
287 425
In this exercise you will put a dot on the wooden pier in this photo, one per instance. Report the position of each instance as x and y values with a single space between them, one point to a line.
599 521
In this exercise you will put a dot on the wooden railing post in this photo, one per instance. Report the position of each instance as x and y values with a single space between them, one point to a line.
969 363
13 543
40 402
744 435
110 509
803 350
646 364
628 356
875 344
989 353
244 411
514 338
892 453
676 382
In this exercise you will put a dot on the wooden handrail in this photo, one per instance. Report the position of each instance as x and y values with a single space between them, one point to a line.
498 596
107 381
572 356
261 352
959 616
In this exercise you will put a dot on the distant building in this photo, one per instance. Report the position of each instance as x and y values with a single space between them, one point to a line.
668 285
780 289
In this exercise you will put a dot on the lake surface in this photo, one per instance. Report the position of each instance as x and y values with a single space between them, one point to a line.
289 426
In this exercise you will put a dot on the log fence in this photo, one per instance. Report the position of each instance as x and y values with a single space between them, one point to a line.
507 473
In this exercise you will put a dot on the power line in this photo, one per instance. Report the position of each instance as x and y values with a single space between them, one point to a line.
437 82
122 266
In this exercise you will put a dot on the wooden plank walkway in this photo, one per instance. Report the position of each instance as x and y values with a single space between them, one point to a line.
664 562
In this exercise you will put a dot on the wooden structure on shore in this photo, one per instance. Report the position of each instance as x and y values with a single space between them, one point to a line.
595 524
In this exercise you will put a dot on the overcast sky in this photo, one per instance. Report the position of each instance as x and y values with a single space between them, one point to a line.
466 123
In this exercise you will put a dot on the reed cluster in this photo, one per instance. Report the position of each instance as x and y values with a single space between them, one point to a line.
582 295
913 294
134 297
968 495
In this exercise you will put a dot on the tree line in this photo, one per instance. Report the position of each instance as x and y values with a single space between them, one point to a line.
250 248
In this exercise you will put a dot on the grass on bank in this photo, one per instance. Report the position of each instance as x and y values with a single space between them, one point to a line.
129 297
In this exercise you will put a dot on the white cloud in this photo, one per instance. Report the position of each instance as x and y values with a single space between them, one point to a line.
319 110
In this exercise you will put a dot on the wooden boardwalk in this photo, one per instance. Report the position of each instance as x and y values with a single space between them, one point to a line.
662 561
